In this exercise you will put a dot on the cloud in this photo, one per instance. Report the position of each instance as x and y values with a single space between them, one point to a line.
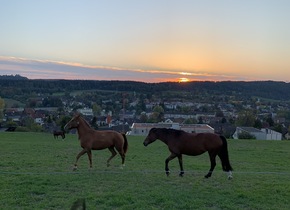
46 69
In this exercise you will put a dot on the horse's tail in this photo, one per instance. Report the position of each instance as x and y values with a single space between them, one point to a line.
125 146
224 155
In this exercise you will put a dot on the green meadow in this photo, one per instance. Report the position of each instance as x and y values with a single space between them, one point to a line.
36 173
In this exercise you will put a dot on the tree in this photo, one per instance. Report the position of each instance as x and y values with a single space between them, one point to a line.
10 123
270 121
94 123
153 118
258 124
190 121
27 121
2 106
62 121
52 101
49 120
278 128
97 109
246 118
30 125
143 117
219 114
200 120
158 113
224 120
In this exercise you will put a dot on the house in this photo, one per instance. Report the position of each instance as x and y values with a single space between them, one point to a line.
263 134
272 135
196 128
143 129
86 112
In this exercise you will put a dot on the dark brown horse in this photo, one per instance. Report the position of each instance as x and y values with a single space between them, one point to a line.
180 142
91 139
59 133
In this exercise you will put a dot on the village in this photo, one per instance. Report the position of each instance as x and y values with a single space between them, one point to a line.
253 119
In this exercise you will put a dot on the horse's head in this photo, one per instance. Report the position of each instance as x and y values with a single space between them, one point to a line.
73 123
151 137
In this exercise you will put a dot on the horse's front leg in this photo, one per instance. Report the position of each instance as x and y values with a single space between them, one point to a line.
77 158
172 156
180 165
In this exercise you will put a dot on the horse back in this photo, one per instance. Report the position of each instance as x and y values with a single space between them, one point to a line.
196 143
105 139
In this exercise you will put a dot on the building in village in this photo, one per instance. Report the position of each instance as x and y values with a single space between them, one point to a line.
263 134
142 129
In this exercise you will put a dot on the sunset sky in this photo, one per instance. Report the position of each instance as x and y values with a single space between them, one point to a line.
146 40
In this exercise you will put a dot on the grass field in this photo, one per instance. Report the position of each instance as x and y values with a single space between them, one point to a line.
36 173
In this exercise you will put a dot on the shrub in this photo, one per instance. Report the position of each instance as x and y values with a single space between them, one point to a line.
246 135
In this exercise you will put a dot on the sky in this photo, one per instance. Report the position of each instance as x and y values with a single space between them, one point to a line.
146 40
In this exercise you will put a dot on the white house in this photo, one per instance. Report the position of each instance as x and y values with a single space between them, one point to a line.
272 135
143 129
39 120
86 112
197 128
263 134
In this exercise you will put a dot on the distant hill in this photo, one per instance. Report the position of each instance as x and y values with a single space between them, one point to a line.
16 85
12 77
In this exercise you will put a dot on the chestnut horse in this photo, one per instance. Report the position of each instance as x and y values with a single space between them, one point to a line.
180 142
91 139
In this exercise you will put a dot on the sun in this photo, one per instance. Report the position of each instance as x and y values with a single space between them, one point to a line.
183 79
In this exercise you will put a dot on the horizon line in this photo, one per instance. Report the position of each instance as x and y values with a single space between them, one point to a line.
48 69
118 80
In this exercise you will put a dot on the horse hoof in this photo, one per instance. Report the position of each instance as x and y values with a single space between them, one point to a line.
230 177
167 173
75 168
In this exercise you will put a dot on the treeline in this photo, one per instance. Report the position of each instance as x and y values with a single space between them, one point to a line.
264 89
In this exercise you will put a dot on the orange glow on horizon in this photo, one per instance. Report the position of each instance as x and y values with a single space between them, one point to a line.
183 79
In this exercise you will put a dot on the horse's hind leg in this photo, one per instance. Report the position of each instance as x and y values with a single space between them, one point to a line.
89 152
114 153
212 157
123 158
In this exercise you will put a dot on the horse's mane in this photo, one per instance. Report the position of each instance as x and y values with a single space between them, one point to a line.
85 122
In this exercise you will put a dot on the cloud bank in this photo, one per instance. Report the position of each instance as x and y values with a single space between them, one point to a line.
46 69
